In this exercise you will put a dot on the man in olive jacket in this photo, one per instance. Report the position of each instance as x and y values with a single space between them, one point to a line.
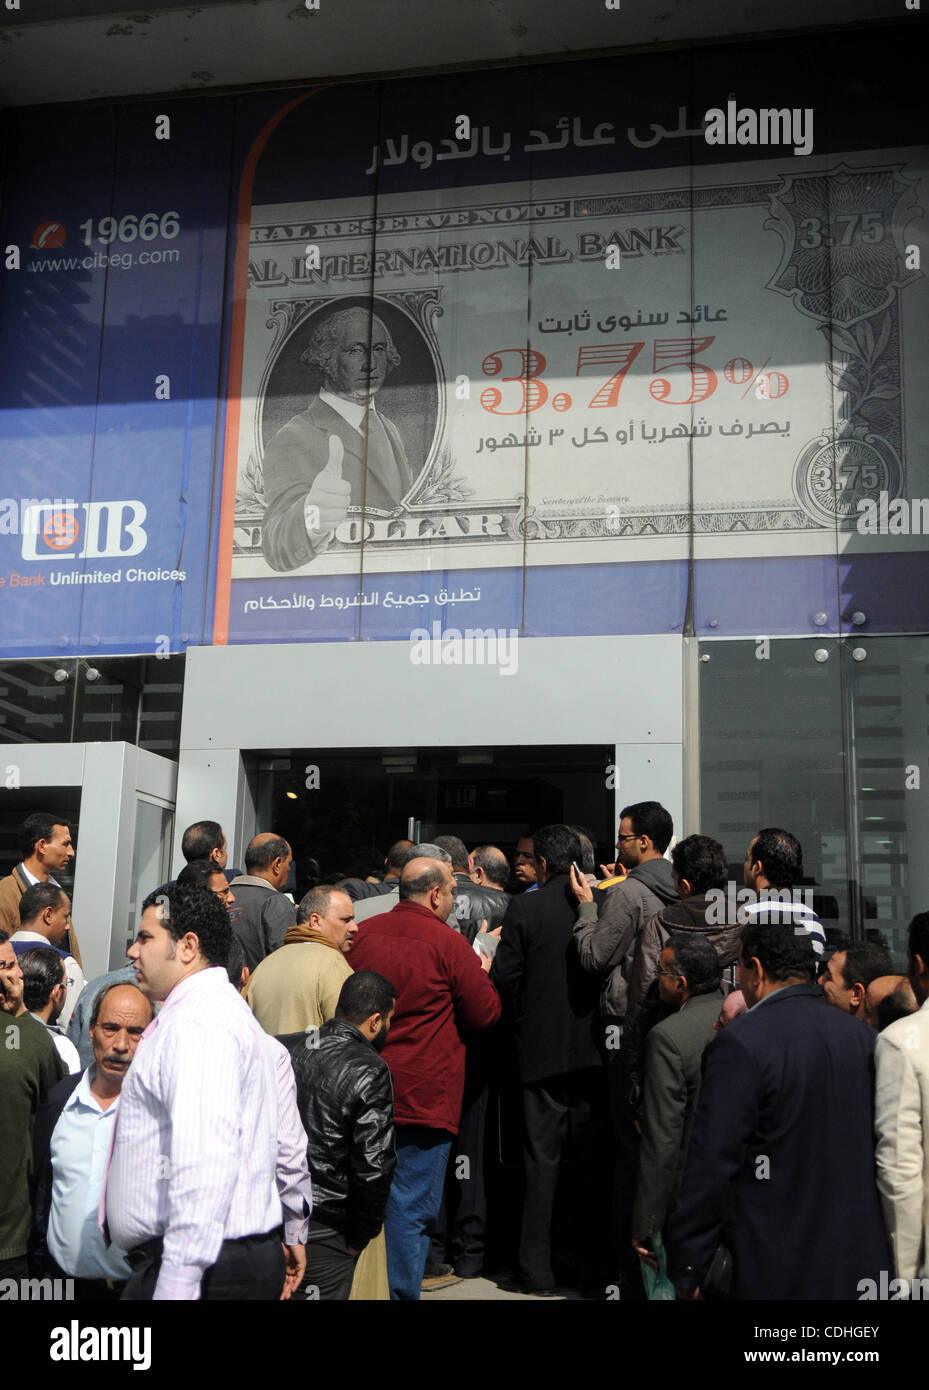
688 982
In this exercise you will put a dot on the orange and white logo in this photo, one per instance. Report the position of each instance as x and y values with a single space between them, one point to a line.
60 530
48 234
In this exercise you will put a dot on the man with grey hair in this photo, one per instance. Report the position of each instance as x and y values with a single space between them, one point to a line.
297 987
73 1133
341 451
383 902
442 996
262 913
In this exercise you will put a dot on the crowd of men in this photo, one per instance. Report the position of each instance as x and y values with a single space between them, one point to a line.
615 1084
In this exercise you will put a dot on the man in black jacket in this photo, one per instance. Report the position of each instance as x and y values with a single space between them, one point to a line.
478 899
780 1168
346 1104
552 1004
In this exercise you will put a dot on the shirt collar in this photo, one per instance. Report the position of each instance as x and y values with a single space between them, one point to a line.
352 413
213 977
32 880
82 1095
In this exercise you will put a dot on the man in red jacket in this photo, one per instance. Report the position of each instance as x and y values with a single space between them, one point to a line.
441 987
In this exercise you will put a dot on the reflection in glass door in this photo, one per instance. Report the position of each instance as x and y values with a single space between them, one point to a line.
827 739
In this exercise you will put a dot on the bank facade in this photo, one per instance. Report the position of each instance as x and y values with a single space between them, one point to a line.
628 507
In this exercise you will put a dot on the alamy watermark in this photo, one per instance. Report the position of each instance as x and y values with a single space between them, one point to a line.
474 646
728 905
893 516
36 1290
887 1289
767 126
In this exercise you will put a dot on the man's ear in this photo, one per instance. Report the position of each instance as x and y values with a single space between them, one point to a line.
686 888
859 996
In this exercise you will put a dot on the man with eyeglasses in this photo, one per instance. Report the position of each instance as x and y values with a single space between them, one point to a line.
606 933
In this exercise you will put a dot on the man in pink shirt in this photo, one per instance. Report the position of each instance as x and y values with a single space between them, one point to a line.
194 1191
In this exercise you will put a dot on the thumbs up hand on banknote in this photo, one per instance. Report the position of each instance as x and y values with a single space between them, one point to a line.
327 501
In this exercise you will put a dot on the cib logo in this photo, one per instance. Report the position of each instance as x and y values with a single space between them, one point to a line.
107 530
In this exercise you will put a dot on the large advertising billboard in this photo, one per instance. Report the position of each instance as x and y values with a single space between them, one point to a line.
532 341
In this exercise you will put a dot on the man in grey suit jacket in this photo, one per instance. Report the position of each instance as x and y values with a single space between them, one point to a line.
902 1119
339 452
688 982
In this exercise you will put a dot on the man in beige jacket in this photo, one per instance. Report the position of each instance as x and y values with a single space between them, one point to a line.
297 986
902 1118
46 847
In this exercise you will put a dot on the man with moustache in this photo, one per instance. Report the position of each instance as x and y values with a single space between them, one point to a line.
341 451
196 1192
297 986
73 1130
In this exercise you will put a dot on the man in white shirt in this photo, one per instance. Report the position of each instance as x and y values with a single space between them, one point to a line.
45 915
192 1191
45 984
901 1122
73 1130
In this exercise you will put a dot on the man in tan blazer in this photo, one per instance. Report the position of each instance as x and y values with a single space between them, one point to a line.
902 1118
45 844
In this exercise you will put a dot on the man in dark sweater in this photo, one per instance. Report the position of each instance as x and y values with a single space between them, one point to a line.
29 1068
552 1006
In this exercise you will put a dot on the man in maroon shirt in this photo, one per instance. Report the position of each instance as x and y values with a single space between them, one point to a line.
441 988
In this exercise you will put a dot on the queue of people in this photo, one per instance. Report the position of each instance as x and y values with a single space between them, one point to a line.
619 1085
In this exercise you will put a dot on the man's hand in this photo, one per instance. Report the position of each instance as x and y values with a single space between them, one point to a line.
326 503
646 1255
11 993
487 960
295 1257
582 889
695 1297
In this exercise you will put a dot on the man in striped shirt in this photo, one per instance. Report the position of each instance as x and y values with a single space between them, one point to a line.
203 1173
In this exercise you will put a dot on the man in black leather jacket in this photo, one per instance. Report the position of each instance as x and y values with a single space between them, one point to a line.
346 1104
479 880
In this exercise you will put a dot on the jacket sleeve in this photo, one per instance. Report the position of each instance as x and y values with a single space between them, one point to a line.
292 461
477 1003
645 966
291 1173
47 1116
726 1118
900 1147
603 940
329 987
372 1158
509 962
664 1107
277 917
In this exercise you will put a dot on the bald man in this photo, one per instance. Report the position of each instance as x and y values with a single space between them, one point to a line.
341 451
888 998
262 915
442 995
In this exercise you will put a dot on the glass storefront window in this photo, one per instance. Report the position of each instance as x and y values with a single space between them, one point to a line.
826 739
344 808
133 699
